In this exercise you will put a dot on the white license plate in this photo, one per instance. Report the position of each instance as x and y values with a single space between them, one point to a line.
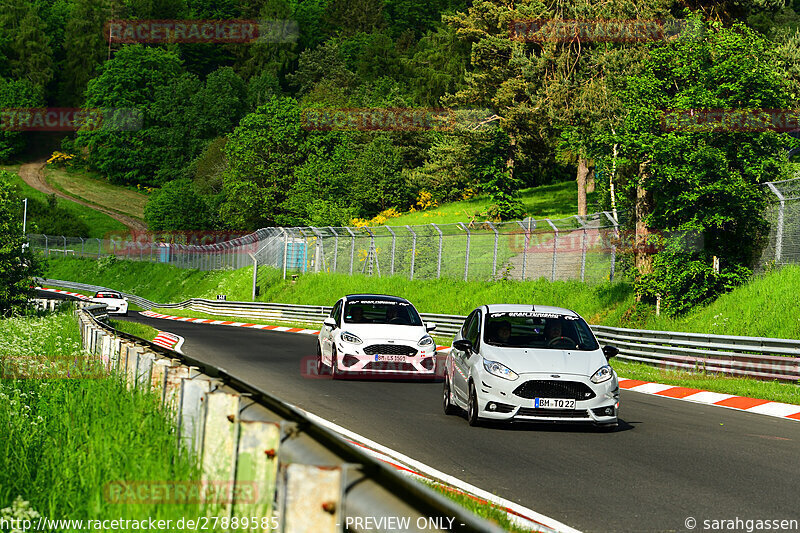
554 403
391 358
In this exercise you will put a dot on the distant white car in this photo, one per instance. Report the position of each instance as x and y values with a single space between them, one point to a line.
373 334
115 302
530 363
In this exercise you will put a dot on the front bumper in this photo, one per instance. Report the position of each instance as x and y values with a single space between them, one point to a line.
498 393
353 360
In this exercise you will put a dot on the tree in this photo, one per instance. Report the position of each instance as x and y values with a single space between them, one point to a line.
16 94
700 187
177 207
28 46
17 265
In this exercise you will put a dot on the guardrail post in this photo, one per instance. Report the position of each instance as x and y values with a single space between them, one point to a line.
555 248
413 250
466 257
439 261
310 498
257 465
221 423
191 419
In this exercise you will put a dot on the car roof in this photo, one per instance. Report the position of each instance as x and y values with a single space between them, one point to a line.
516 308
359 297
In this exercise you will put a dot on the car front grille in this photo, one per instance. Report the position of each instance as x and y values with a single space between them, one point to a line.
390 349
570 390
390 366
552 413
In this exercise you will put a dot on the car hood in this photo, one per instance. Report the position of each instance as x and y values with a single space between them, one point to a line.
374 332
530 360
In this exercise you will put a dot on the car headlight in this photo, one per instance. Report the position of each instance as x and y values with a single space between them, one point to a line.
604 373
349 337
499 370
427 340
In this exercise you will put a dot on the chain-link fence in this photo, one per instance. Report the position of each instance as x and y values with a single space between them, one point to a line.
783 215
579 248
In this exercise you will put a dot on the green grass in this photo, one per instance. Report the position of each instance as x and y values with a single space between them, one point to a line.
559 200
142 331
91 188
752 388
481 508
100 225
63 440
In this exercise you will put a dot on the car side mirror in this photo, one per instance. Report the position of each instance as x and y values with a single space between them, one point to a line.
610 351
330 322
126 299
430 326
463 345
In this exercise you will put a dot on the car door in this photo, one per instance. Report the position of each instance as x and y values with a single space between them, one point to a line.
470 331
326 334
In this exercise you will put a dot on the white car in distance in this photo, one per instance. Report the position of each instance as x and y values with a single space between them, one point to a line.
116 304
369 335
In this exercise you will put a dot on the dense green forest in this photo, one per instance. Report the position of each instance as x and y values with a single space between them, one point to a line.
225 141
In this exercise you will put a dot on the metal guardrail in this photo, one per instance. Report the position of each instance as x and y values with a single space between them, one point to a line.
307 454
754 357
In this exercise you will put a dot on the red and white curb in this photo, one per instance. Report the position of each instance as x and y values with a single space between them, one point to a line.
59 291
522 516
730 401
739 403
169 340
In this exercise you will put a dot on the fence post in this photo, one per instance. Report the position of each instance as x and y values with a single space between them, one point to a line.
285 249
82 243
413 250
583 246
394 240
439 262
319 259
494 256
99 245
779 229
613 245
65 245
466 258
335 246
527 243
352 247
555 248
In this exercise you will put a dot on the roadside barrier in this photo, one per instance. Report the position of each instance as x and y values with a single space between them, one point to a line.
755 357
306 476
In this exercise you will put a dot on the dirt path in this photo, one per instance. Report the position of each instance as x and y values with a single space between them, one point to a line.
33 175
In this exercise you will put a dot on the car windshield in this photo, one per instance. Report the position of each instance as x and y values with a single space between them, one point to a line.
381 312
108 295
529 329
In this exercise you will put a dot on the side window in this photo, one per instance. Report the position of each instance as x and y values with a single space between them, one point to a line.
467 325
475 330
336 314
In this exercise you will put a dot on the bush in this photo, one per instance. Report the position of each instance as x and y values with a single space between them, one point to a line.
177 206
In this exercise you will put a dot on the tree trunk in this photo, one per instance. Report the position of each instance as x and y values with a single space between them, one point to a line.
583 172
643 259
512 151
590 182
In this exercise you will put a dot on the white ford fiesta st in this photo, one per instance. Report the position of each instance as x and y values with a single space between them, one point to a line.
530 363
371 334
117 304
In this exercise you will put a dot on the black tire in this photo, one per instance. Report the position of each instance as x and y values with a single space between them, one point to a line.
322 368
472 407
447 405
335 374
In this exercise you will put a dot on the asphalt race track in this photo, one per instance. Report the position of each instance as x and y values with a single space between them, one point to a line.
668 460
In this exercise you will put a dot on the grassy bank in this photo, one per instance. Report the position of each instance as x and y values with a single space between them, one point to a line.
100 225
559 200
63 440
93 189
142 331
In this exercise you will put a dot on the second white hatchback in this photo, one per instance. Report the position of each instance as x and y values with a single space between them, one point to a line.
373 334
526 363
